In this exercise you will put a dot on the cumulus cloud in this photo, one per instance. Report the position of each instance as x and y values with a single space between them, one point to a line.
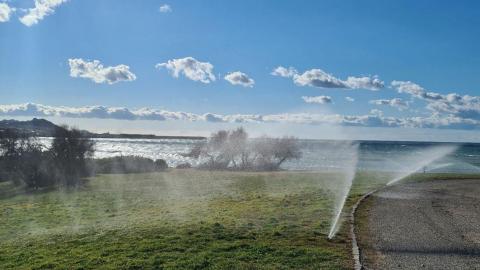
190 68
349 99
96 72
398 103
165 8
5 11
210 117
321 79
370 83
374 119
452 104
414 90
42 9
239 78
318 78
284 72
318 99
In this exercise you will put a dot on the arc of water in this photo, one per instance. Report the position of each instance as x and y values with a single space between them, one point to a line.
434 154
430 156
335 225
350 175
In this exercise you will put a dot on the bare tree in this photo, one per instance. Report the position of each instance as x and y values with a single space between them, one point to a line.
286 148
233 150
214 151
197 150
263 153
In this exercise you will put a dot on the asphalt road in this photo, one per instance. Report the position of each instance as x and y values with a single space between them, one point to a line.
427 225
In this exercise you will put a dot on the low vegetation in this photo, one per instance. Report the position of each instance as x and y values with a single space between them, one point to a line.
128 164
24 161
68 160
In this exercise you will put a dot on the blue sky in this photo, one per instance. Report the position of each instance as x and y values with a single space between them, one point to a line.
428 44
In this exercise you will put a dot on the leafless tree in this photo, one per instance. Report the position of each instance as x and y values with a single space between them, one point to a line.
286 148
233 150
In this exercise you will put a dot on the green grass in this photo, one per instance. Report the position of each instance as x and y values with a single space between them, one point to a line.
180 219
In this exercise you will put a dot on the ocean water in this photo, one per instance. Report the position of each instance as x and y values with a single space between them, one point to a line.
316 154
390 157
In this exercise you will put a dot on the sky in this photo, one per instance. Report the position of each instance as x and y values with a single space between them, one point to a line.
307 67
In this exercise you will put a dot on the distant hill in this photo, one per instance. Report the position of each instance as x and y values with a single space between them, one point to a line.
36 127
45 128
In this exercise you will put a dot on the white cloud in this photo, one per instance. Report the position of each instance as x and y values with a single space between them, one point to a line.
239 78
374 119
369 83
321 79
210 117
5 11
42 9
190 68
318 99
414 90
398 103
451 105
165 8
349 99
96 72
284 72
318 78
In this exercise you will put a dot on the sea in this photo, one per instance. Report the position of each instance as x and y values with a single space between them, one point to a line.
321 154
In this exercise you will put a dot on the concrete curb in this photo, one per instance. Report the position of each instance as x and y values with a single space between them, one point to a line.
355 249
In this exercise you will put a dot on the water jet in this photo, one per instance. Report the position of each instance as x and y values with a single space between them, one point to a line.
349 154
420 160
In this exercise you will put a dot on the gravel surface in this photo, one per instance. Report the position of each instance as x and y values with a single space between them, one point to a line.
426 225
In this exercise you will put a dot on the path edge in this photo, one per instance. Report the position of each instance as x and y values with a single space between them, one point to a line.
356 252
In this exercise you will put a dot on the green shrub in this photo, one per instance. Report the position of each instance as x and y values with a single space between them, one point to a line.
25 162
184 166
128 164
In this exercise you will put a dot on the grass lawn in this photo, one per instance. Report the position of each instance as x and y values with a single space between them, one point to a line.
180 219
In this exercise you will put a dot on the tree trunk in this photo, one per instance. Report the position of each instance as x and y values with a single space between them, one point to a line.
281 161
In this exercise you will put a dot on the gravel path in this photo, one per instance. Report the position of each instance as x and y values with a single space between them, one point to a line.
427 225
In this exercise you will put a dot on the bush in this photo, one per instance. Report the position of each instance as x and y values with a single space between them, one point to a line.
160 165
25 162
128 164
70 151
35 170
184 166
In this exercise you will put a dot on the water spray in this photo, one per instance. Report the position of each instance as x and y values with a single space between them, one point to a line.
414 163
351 158
421 160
